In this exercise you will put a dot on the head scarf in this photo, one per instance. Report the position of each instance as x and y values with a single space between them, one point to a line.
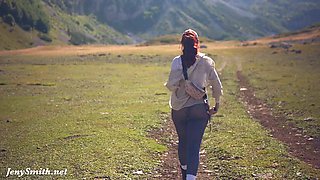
190 38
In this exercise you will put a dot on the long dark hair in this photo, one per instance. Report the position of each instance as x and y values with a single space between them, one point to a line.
190 47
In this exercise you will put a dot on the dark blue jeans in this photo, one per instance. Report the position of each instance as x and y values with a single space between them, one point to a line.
190 123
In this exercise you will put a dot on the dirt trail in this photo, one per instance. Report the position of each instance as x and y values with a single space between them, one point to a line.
300 145
224 64
170 164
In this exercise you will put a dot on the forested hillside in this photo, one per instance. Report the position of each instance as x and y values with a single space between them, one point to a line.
218 19
126 21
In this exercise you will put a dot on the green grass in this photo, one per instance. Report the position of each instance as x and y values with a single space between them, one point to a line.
91 115
107 107
14 37
239 147
288 82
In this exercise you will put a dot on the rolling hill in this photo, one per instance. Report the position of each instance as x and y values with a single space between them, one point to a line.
307 35
217 19
62 27
125 21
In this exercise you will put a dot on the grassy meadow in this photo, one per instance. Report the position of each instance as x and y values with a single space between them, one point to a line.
289 82
89 110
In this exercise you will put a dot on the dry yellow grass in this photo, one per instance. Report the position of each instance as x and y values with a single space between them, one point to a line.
91 49
312 34
114 49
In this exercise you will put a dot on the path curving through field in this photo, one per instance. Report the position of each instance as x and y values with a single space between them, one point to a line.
299 144
170 164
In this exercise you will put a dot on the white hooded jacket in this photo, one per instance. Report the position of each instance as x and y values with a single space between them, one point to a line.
202 74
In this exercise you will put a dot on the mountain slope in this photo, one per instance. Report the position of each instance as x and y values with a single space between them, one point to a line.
62 27
82 29
307 35
218 19
126 21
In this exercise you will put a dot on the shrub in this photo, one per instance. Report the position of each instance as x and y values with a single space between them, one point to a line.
26 27
42 25
88 26
45 37
9 19
78 38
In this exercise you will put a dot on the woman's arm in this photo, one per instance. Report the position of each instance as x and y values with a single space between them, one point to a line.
175 76
174 79
216 86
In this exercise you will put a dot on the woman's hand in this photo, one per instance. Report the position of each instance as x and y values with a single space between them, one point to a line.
213 110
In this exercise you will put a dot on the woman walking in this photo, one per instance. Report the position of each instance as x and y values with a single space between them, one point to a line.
190 73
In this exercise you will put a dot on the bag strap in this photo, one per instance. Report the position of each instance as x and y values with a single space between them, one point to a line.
205 97
185 75
184 69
